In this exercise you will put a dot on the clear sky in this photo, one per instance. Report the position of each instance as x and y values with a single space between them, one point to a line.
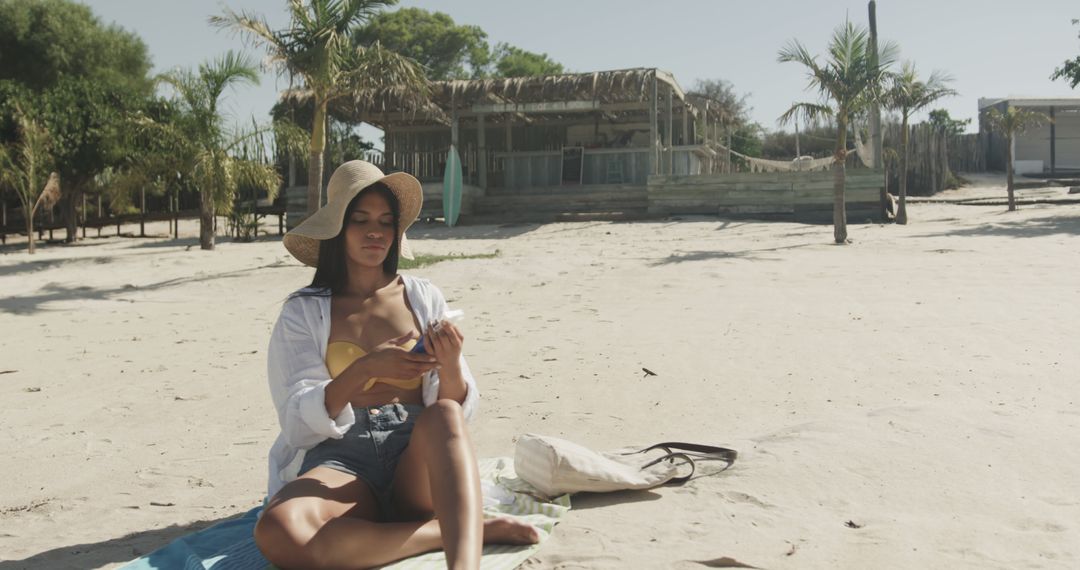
992 48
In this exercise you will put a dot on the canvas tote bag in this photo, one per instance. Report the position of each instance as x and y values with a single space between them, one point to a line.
557 466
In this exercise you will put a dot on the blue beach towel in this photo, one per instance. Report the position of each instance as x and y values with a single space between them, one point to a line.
229 545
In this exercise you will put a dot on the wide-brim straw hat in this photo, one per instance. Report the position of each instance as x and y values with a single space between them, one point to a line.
347 181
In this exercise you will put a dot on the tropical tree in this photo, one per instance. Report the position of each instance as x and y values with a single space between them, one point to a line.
909 94
317 48
22 168
734 107
83 76
214 157
848 82
940 119
1010 123
1070 69
511 61
446 49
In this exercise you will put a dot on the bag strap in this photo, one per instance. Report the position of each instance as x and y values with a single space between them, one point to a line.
701 451
687 452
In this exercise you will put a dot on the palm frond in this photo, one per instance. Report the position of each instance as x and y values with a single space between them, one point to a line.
808 111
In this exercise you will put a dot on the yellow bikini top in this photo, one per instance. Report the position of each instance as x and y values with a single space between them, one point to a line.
340 354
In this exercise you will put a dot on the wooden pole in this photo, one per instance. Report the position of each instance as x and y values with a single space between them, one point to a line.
798 152
730 169
875 114
84 216
683 136
481 142
176 215
667 133
1053 143
99 215
654 156
3 221
142 213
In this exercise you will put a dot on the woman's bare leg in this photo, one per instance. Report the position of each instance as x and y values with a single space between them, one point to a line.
324 520
442 470
438 475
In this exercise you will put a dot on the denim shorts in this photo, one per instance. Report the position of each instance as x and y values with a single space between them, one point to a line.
370 450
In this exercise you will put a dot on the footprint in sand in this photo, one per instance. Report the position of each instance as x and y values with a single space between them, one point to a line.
1037 525
738 497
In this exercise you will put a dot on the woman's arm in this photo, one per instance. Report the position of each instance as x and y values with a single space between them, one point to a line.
446 344
453 380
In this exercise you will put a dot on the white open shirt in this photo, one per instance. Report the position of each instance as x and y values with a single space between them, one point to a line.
296 367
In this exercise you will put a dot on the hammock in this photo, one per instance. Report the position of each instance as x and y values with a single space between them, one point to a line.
801 164
866 154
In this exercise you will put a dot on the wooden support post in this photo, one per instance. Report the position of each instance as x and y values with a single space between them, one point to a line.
1053 143
455 124
654 155
3 222
670 158
481 143
142 214
389 145
684 137
509 132
99 216
176 216
84 216
730 166
875 117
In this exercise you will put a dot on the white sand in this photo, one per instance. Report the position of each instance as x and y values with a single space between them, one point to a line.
920 383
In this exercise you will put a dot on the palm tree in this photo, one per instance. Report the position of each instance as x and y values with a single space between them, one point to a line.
1010 123
22 166
909 94
317 47
849 81
210 154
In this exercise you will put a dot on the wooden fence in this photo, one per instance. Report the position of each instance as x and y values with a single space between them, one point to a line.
793 196
967 153
933 156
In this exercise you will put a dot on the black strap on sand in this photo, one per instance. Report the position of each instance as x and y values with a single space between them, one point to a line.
688 452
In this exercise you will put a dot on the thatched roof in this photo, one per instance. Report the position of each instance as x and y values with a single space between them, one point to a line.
618 94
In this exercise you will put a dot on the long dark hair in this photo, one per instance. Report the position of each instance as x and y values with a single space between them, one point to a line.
331 273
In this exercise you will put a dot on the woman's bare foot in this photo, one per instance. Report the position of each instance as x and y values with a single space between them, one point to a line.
506 530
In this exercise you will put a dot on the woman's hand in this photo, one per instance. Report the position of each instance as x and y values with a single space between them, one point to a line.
444 342
390 360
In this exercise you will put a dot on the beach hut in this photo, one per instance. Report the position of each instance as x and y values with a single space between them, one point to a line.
579 143
1053 148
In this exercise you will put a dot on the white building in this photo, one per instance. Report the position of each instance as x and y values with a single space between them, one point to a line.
1051 148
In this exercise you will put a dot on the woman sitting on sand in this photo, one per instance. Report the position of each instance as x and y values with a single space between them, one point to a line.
373 463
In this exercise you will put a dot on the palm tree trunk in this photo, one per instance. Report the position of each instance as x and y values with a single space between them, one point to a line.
29 230
206 219
1009 171
315 159
71 219
839 175
901 210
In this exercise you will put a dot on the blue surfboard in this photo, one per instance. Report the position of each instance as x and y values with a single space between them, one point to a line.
452 186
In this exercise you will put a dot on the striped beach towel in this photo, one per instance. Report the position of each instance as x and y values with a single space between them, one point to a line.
229 545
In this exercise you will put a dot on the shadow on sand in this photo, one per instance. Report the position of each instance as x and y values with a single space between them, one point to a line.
438 231
1035 227
112 551
53 292
750 254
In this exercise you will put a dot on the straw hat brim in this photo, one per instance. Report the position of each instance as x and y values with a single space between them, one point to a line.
303 240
